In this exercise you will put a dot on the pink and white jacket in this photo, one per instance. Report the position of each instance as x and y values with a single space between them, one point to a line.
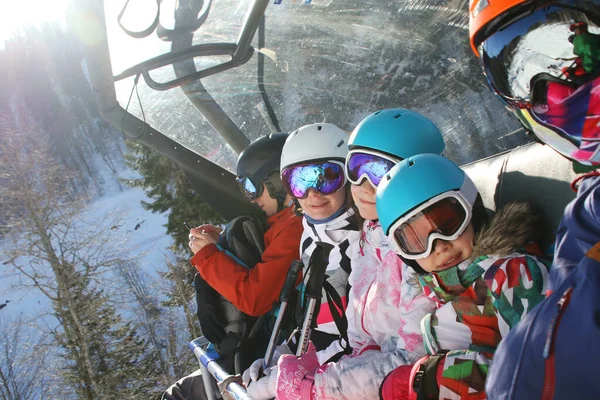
385 308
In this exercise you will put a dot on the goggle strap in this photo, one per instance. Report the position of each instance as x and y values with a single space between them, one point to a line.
272 164
469 191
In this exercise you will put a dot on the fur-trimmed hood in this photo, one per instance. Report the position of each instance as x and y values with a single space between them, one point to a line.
510 229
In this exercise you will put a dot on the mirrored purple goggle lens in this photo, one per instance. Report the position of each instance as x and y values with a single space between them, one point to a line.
360 164
325 178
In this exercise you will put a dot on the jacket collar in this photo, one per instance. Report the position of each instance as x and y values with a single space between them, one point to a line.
286 212
510 230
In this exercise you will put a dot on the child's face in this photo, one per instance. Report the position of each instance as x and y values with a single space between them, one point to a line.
320 206
364 199
447 254
266 203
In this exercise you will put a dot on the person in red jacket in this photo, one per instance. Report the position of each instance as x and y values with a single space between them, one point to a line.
254 290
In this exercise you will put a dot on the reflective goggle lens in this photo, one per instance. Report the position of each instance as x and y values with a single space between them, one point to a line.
326 178
250 191
536 44
360 165
445 217
541 70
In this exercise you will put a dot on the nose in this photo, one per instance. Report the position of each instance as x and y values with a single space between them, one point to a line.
312 193
367 188
440 246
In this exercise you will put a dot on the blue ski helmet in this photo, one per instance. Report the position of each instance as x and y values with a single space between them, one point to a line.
414 181
397 132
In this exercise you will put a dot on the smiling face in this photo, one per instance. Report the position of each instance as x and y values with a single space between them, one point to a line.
364 199
447 254
319 206
266 203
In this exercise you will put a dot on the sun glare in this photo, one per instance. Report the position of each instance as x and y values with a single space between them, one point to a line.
16 15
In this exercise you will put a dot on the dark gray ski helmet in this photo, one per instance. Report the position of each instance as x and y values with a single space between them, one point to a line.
259 163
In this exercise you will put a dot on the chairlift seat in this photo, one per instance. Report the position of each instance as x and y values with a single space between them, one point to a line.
531 172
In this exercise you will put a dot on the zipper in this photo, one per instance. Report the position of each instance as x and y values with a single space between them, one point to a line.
549 373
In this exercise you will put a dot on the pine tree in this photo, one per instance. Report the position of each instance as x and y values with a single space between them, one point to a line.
70 262
167 185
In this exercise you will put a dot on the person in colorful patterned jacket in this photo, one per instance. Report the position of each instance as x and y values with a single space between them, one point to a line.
482 276
386 302
553 353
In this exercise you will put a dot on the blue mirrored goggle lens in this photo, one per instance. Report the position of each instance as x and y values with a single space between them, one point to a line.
248 188
326 178
360 165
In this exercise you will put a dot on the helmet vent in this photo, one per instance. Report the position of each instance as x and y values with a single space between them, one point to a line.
340 143
376 112
319 127
410 163
397 116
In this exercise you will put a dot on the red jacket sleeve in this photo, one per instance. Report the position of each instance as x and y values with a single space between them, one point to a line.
253 291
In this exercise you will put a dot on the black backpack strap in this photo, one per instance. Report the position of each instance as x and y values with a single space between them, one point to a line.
336 307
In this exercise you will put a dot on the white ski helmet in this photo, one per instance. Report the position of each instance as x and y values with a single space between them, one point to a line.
314 142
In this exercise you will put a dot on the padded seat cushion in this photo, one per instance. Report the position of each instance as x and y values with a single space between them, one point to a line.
532 172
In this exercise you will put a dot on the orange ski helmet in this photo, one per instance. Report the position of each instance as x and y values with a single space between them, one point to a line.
484 12
540 72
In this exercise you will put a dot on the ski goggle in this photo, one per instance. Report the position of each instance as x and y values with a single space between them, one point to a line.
325 177
538 68
364 164
445 217
249 189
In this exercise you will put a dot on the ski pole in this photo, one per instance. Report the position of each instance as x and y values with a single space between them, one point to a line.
284 298
313 291
230 385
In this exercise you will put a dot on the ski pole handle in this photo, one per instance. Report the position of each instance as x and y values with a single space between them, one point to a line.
284 298
317 267
290 281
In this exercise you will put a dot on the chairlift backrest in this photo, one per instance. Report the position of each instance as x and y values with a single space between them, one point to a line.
532 172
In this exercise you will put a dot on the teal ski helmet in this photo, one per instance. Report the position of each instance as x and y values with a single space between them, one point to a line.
397 132
415 181
386 137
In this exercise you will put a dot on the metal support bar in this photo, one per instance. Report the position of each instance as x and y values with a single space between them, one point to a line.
227 382
249 28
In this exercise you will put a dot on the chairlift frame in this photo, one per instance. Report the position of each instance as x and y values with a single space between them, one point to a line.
212 182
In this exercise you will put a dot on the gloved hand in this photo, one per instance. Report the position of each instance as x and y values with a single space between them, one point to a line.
396 384
424 377
254 372
265 387
295 378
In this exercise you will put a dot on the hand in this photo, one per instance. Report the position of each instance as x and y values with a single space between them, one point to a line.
207 228
202 236
295 378
399 383
254 371
265 387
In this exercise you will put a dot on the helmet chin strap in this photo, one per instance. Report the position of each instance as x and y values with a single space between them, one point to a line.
276 194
